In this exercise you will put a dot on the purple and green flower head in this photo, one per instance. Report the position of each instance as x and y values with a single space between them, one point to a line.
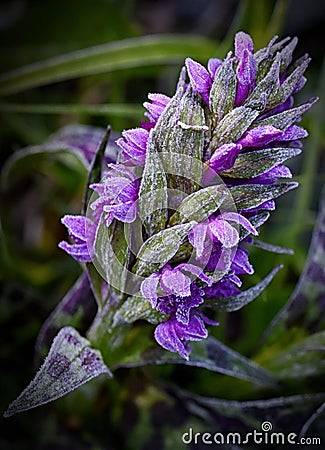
225 134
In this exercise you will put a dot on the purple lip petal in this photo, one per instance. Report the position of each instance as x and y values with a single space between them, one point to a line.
294 132
224 232
241 264
78 251
175 282
156 108
167 336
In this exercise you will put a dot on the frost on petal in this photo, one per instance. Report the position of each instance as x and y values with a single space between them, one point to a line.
194 331
167 337
247 68
224 288
246 73
224 232
293 133
268 205
79 252
136 136
195 270
125 212
156 108
241 264
199 78
243 42
224 157
197 237
133 145
77 226
260 136
272 175
149 288
185 305
241 220
173 281
82 231
118 193
213 66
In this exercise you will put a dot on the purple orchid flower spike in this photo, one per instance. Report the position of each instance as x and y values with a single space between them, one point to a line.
82 231
117 195
134 145
200 79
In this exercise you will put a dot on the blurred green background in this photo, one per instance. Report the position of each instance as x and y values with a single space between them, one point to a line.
108 85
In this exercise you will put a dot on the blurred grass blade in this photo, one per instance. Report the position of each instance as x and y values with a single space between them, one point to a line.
310 165
305 306
118 110
123 54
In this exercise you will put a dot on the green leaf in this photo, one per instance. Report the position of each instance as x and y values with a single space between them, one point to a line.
239 301
70 363
160 248
252 164
199 205
153 196
289 84
231 416
113 253
123 54
82 141
212 355
286 118
95 172
232 126
135 308
268 83
250 196
77 308
180 139
301 360
223 91
305 307
271 248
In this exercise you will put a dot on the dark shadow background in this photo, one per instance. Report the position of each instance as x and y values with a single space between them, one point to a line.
38 274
